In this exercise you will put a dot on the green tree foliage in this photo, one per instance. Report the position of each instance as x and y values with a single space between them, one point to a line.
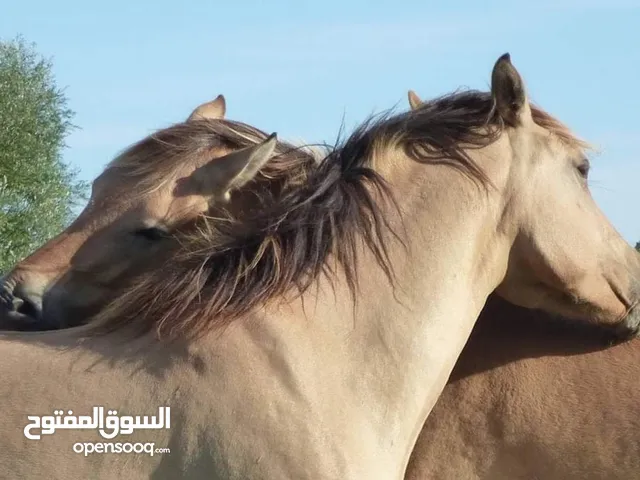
38 191
638 246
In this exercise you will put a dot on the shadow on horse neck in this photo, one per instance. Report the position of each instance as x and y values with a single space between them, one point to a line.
506 333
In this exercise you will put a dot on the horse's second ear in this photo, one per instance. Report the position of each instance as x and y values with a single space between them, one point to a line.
508 91
213 110
222 175
414 100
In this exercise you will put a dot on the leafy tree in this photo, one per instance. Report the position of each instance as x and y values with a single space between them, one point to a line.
638 246
38 191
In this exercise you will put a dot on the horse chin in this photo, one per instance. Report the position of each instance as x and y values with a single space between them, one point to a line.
629 327
13 320
62 312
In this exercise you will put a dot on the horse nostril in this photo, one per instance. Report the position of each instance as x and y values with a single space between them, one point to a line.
18 300
25 304
27 307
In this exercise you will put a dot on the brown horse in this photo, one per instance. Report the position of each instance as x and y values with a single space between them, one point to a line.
321 370
527 401
533 398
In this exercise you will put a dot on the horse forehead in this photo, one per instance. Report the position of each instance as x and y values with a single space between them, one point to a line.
552 142
162 204
533 145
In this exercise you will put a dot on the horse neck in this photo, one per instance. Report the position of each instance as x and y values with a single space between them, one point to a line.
454 261
388 358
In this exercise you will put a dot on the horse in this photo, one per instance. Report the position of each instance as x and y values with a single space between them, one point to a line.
310 336
531 398
489 366
134 205
526 400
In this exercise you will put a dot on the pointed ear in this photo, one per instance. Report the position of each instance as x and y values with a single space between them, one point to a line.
508 91
215 109
222 175
414 100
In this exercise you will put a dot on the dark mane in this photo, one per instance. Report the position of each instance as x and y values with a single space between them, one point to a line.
222 269
158 158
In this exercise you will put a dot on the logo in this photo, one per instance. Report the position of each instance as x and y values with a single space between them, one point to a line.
108 427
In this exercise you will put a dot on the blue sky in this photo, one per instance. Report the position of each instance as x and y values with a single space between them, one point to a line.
300 68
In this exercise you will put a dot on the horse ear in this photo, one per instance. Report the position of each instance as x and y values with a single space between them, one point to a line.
222 175
414 100
508 91
213 110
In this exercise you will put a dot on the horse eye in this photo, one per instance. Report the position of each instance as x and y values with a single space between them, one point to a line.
584 168
152 234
